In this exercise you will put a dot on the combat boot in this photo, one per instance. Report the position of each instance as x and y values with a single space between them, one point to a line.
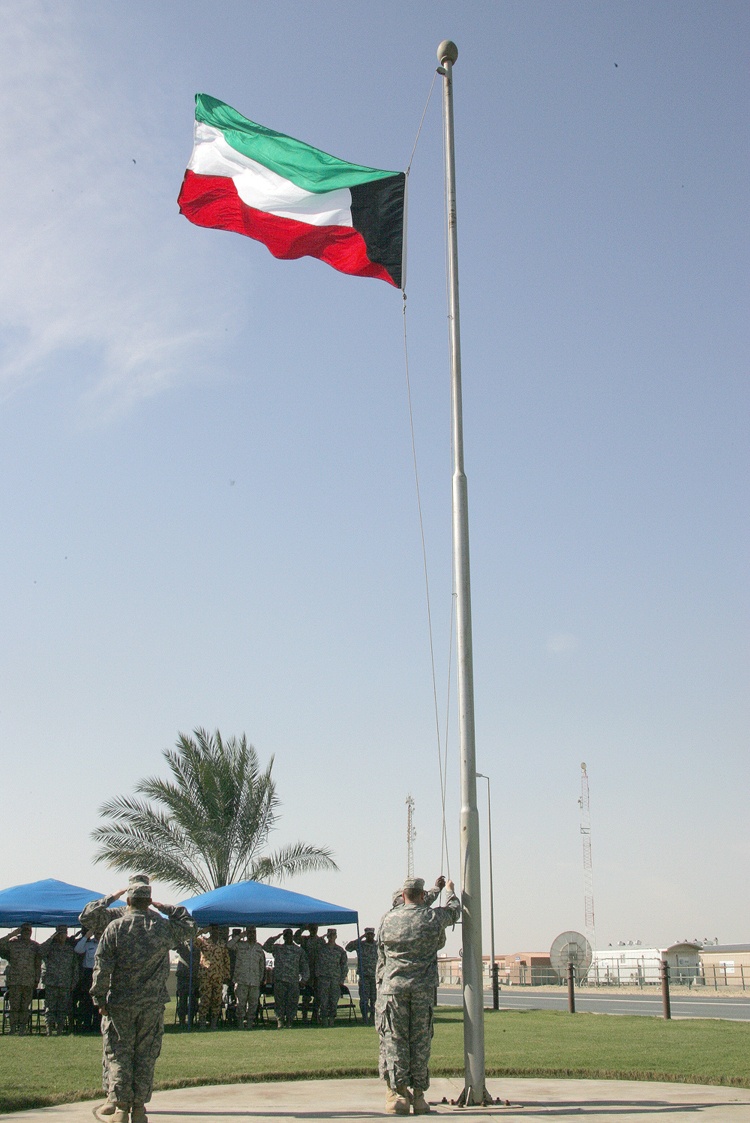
121 1113
138 1114
107 1110
397 1101
421 1106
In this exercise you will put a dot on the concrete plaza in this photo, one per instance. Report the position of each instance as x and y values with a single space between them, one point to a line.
351 1101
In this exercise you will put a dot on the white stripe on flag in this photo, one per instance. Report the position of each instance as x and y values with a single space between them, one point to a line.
263 189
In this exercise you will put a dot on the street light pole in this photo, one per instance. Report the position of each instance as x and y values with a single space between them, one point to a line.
493 965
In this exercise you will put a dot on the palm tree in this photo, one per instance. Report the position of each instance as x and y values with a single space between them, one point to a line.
209 825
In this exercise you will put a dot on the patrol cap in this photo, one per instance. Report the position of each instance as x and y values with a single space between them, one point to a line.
398 897
62 928
332 932
26 927
369 930
139 887
414 884
287 932
140 893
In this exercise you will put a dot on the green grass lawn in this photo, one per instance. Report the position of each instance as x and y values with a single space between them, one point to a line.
40 1071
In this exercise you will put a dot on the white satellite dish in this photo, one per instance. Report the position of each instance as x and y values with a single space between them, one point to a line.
567 948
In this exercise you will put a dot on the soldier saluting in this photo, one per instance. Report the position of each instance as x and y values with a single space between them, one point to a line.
130 989
408 942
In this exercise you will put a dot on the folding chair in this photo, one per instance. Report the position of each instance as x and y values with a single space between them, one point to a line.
347 1002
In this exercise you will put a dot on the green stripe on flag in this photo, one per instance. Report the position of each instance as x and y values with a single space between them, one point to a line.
305 166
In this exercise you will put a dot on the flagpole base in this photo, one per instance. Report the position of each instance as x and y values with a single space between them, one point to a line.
469 1099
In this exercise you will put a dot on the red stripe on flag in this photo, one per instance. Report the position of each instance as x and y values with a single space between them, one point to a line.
213 201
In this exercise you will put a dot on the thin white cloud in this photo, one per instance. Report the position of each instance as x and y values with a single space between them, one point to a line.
89 228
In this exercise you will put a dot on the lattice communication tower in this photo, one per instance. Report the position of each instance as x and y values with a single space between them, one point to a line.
588 870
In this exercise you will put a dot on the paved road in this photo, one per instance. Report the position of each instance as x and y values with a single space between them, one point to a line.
650 1005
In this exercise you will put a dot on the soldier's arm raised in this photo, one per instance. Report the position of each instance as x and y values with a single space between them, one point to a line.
96 914
181 923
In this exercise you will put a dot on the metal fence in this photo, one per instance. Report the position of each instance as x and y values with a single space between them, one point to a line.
644 972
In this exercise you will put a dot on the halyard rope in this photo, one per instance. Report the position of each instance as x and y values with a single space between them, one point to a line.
444 854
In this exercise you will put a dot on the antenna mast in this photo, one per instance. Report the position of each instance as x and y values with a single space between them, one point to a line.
411 834
588 871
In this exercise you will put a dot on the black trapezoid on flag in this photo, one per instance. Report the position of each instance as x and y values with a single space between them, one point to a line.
378 215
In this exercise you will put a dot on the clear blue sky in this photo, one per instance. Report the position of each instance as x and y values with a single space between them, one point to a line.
205 465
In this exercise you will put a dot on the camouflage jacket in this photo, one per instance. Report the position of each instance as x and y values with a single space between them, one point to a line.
332 962
311 946
132 959
24 961
214 961
367 956
408 943
97 914
249 962
289 962
60 964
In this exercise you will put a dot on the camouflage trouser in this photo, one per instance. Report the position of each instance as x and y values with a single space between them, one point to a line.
19 1003
247 1002
132 1042
404 1024
328 992
210 993
56 1006
367 994
285 999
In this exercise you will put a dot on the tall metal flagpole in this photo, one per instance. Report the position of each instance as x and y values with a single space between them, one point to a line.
473 991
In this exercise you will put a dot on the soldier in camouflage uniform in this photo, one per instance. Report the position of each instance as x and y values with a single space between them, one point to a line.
310 945
367 962
22 974
408 942
186 984
332 969
430 895
60 977
213 971
289 968
248 975
97 914
130 989
94 919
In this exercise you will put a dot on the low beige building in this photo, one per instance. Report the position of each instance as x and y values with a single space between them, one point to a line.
726 965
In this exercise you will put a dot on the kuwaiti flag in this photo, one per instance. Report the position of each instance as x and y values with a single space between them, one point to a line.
297 200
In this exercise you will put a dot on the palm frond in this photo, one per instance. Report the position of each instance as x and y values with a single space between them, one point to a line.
206 825
291 860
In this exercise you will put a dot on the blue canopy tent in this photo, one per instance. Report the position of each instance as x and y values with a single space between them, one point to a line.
262 906
46 903
265 906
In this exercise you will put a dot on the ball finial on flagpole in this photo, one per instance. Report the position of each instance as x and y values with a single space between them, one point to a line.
447 52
